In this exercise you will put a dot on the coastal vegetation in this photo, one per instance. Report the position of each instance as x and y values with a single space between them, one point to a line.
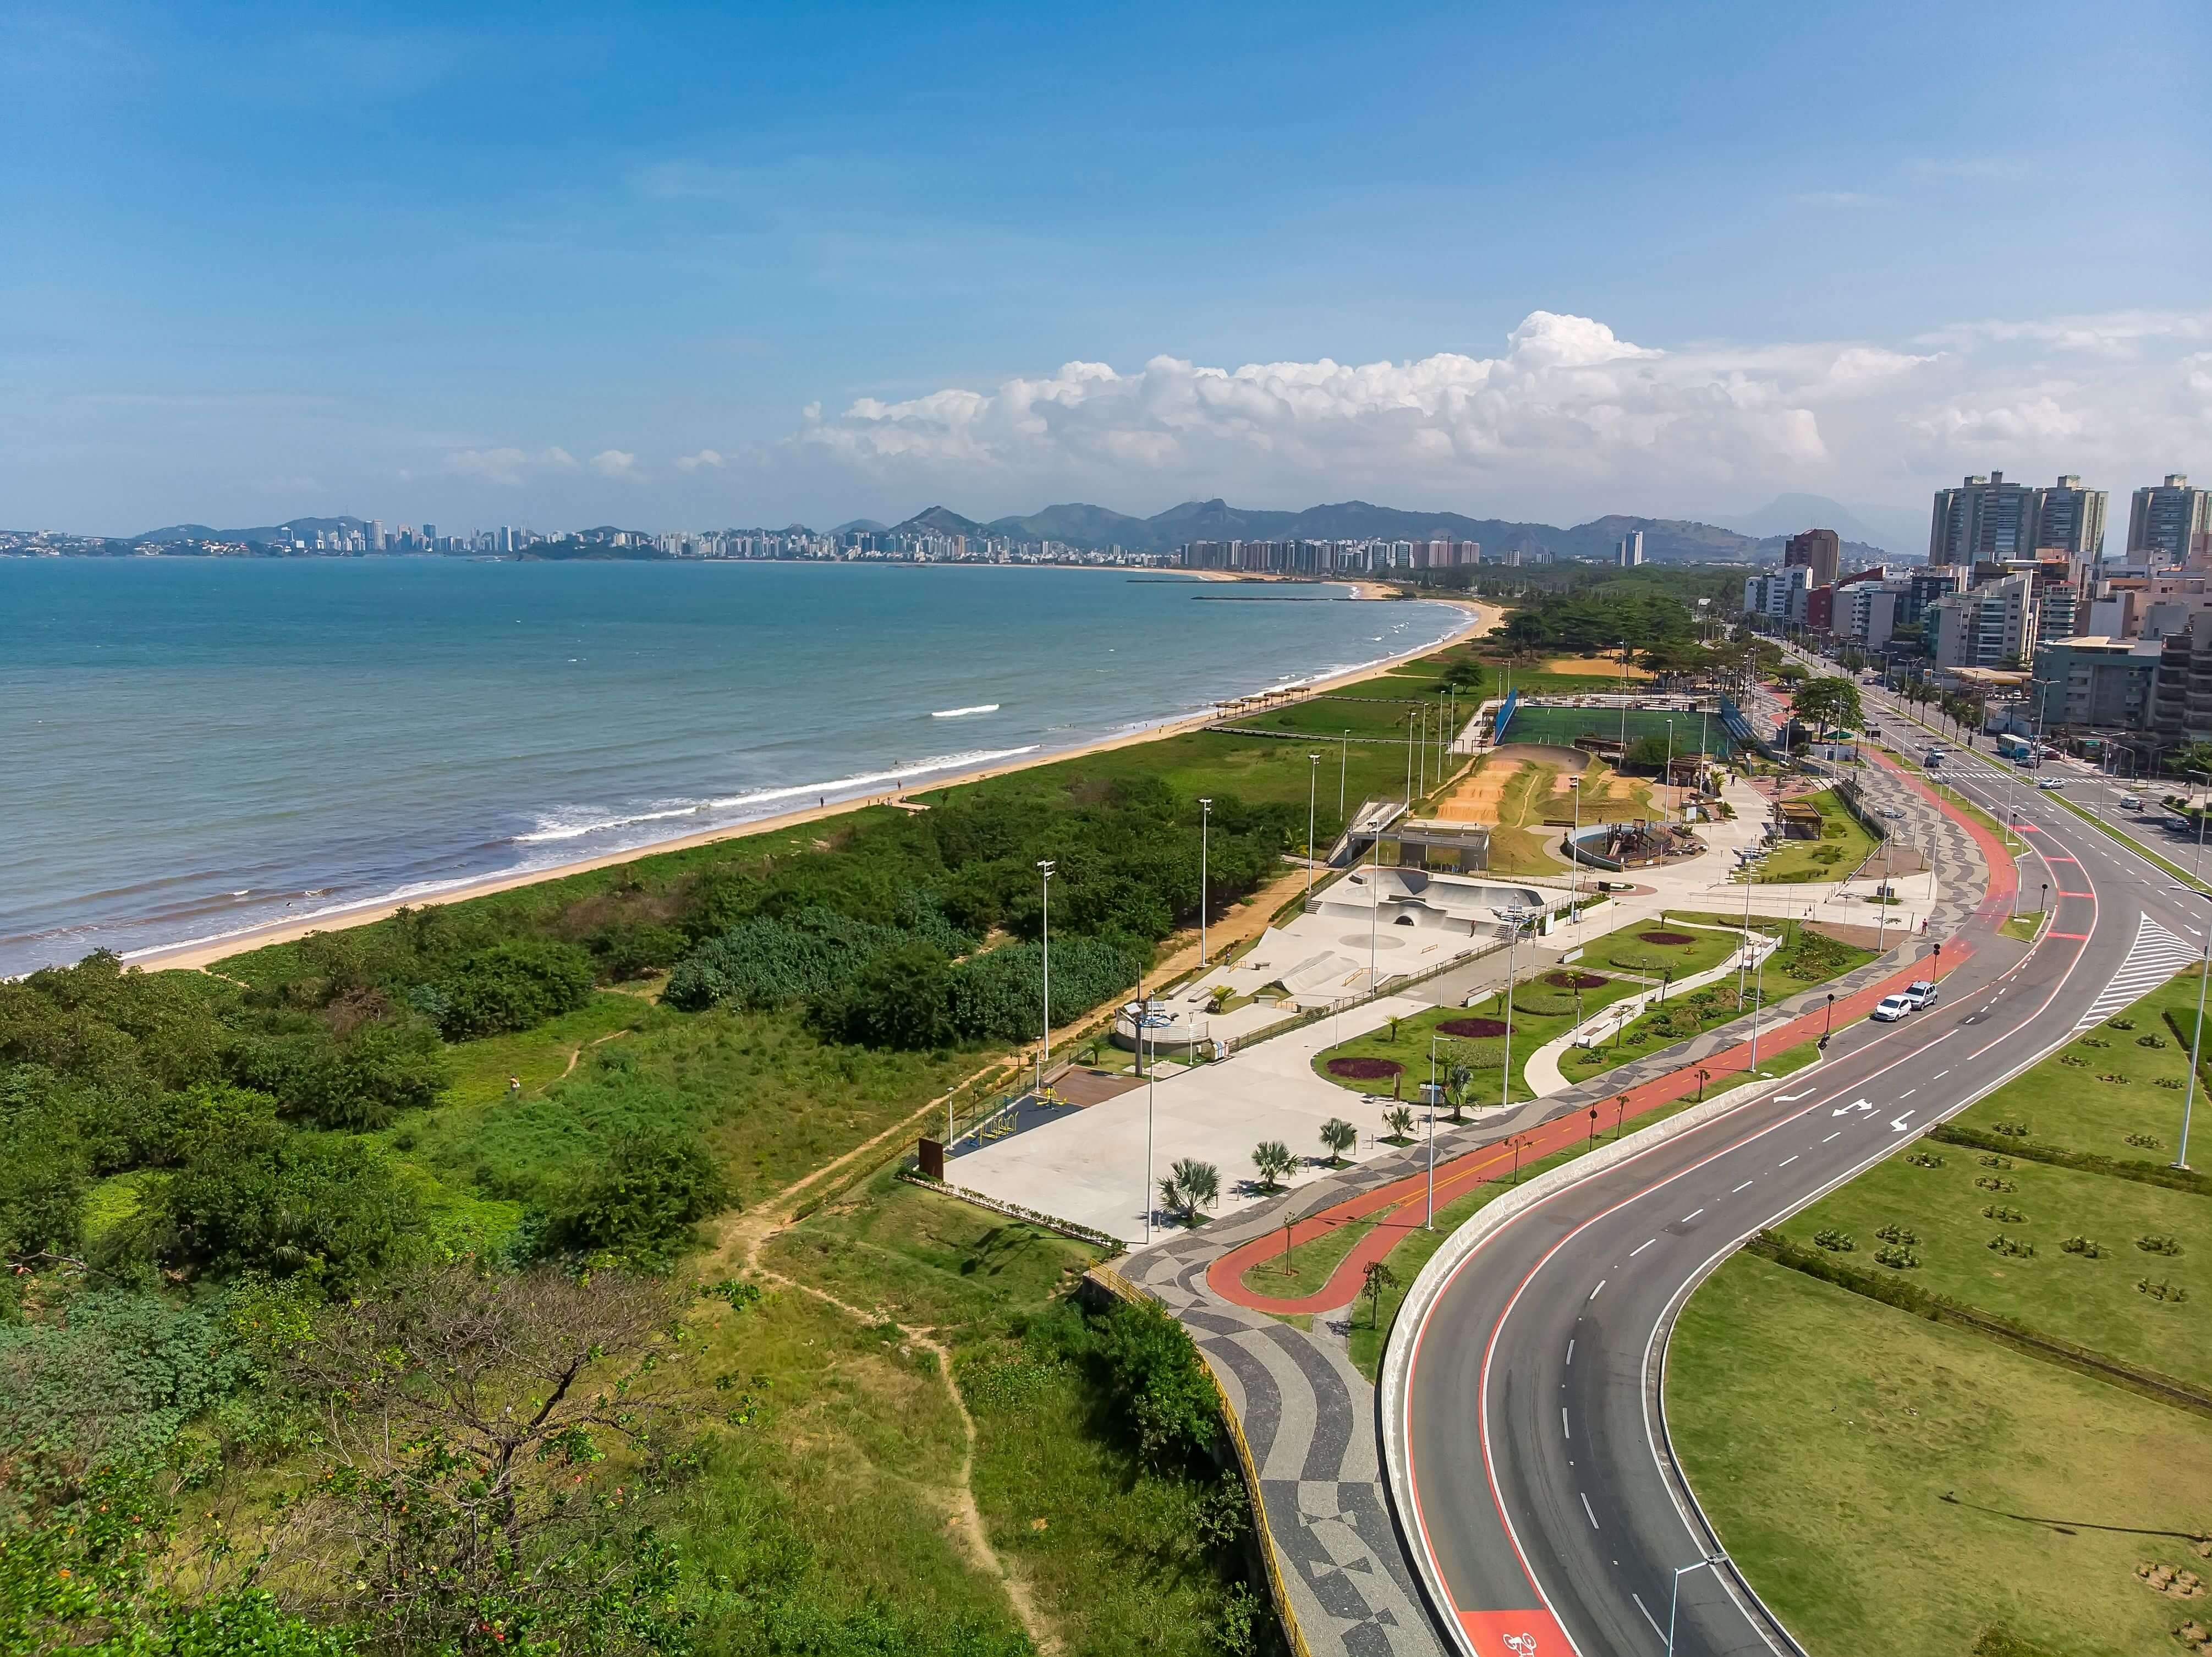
216 1184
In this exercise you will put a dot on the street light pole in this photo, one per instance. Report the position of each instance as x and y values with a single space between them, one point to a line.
1673 1598
2195 1047
1204 830
1044 1053
1514 920
1343 763
1313 776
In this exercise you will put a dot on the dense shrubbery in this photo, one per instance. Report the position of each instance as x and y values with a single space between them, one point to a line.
1153 1373
258 1197
511 987
643 1200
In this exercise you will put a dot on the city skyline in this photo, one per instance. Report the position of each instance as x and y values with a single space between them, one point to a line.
810 266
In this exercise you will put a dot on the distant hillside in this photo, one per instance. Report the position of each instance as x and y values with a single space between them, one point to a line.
304 528
1786 514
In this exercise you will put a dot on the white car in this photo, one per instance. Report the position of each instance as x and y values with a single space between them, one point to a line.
2131 802
2051 782
1893 1008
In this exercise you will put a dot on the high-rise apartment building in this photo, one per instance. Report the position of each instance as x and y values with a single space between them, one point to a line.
1820 551
376 535
2070 520
1986 520
1628 551
2171 522
1992 626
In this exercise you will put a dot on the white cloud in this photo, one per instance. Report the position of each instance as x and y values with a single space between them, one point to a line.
692 463
1835 198
509 465
1568 416
614 463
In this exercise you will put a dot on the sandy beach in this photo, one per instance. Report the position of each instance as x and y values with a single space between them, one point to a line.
204 953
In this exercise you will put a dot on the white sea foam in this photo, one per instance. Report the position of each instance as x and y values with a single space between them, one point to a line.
963 712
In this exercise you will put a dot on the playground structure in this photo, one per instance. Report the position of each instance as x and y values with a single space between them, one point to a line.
1637 845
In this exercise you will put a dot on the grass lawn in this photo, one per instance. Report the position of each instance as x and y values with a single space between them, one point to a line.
1822 1432
1844 845
1370 1332
1309 1263
2065 1101
1806 958
2093 1303
2023 927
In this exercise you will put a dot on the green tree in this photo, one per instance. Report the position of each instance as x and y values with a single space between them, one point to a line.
1377 1281
512 986
1337 1136
1829 704
1274 1162
1400 1120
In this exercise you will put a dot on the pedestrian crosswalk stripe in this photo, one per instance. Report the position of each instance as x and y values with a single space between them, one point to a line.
2154 956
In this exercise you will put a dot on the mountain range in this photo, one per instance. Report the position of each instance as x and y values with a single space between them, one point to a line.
1757 537
1665 540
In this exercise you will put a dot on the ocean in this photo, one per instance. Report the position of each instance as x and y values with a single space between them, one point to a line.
193 748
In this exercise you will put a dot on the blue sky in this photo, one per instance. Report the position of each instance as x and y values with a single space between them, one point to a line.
538 264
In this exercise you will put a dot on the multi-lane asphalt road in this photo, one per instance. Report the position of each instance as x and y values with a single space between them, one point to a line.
1545 1496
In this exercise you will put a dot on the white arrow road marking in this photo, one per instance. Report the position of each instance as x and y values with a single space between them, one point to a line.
1791 1098
1897 1123
1856 1104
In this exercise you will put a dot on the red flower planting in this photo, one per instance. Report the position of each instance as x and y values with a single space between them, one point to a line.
1472 1027
1365 1070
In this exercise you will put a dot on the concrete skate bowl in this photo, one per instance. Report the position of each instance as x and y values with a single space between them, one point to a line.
1424 902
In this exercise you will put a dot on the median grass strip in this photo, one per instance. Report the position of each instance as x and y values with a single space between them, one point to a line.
2115 1091
1371 1323
1862 1466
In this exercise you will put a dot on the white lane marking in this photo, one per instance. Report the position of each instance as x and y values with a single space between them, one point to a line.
1939 1075
1647 1616
1786 1161
1570 1349
1600 1284
1586 1509
1745 1186
1641 1247
1837 1134
1907 1094
1565 1431
1689 1217
1897 1123
1791 1098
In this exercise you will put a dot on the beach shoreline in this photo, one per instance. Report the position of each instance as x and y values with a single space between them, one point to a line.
199 954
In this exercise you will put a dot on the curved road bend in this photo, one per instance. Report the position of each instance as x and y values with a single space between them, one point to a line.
1542 1489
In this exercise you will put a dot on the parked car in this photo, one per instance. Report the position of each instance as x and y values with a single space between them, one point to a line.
1890 812
1921 993
1893 1008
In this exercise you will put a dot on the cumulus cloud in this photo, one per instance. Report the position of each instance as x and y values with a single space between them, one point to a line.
692 463
614 463
1567 409
508 466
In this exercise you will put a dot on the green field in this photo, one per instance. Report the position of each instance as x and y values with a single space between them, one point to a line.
1560 726
1823 1433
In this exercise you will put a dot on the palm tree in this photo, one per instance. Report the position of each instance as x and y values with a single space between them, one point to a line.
1458 1080
1401 1124
1274 1160
1337 1136
1190 1188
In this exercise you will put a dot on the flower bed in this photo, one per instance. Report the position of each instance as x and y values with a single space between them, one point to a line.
1568 979
1367 1070
1667 938
1473 1027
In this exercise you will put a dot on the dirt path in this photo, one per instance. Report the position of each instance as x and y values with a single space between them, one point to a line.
743 1237
577 1052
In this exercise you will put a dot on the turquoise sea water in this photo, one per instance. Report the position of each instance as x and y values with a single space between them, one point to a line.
193 748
